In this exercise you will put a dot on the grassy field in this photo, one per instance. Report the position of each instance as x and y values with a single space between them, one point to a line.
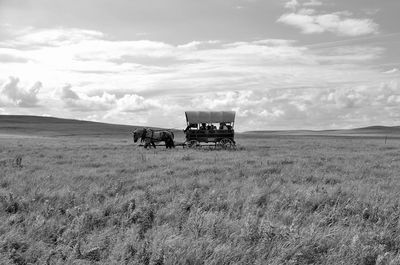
278 199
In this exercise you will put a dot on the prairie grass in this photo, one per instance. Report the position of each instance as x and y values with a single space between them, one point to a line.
284 200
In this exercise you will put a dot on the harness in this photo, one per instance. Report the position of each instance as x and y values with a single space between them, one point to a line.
144 134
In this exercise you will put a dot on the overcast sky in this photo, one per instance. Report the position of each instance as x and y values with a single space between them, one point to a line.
280 64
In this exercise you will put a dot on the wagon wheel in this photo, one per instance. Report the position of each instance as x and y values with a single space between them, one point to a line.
227 143
193 144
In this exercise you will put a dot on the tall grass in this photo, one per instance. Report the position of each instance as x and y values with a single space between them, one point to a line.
292 200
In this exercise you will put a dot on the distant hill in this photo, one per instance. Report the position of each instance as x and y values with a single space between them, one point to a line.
380 131
49 126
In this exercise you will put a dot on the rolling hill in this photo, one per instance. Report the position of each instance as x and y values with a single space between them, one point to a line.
370 131
50 126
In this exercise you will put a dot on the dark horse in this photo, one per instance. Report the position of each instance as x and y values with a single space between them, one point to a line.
150 137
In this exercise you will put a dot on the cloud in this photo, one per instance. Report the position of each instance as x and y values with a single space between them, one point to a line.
67 93
392 71
163 61
310 107
11 93
309 21
105 102
52 37
8 58
335 23
313 3
292 4
271 83
295 4
349 54
134 103
86 103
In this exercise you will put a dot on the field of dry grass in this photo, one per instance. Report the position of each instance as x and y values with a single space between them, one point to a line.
275 200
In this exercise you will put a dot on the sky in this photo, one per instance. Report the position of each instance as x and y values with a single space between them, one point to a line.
280 64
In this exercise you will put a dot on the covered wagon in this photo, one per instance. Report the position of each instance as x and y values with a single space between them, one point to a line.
210 127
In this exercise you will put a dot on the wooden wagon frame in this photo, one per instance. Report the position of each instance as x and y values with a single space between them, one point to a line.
210 128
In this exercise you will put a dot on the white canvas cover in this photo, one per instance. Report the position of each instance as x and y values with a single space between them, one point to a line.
209 116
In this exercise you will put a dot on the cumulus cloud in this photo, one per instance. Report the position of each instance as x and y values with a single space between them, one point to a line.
67 93
335 23
104 102
292 4
13 94
309 21
86 103
135 103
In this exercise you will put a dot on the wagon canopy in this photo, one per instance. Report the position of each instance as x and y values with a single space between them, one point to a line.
209 116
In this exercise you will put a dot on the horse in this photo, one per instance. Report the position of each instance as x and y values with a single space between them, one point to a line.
149 137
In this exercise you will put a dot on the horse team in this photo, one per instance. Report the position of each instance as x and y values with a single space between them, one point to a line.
150 137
